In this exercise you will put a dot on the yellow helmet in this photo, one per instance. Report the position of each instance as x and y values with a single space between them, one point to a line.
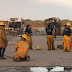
24 36
68 24
2 24
37 48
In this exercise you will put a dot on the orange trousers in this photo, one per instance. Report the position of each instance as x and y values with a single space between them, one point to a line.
66 41
50 42
29 41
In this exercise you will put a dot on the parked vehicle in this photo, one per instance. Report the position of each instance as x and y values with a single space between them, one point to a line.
16 26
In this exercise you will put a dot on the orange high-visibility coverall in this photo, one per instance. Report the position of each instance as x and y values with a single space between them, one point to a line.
29 41
3 39
50 41
66 41
22 49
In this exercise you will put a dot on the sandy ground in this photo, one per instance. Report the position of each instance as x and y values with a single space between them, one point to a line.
41 57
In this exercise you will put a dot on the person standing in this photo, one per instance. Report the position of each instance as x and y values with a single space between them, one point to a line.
50 40
3 41
66 39
63 35
28 32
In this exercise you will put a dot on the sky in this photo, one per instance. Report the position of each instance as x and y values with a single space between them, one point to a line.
35 9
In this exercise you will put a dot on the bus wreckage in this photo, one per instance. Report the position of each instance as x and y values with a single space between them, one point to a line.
16 26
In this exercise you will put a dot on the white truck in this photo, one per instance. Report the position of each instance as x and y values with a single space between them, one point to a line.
16 26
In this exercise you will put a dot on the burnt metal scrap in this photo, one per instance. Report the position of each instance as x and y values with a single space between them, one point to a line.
54 22
16 26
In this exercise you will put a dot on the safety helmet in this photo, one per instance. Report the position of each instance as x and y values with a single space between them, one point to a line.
68 24
24 36
37 48
2 24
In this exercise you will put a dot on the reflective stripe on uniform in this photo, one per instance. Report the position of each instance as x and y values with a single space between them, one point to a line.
23 41
22 49
1 37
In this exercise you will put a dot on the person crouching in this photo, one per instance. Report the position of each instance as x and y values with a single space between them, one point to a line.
22 48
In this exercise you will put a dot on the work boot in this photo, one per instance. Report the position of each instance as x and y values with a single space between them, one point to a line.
53 48
28 57
68 50
18 59
31 48
3 58
49 49
65 50
0 57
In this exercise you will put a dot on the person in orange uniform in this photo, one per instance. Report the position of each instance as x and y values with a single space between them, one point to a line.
66 40
28 32
3 41
49 35
63 35
22 48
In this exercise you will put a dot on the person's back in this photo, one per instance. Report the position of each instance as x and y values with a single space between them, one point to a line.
50 40
49 31
22 48
64 29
